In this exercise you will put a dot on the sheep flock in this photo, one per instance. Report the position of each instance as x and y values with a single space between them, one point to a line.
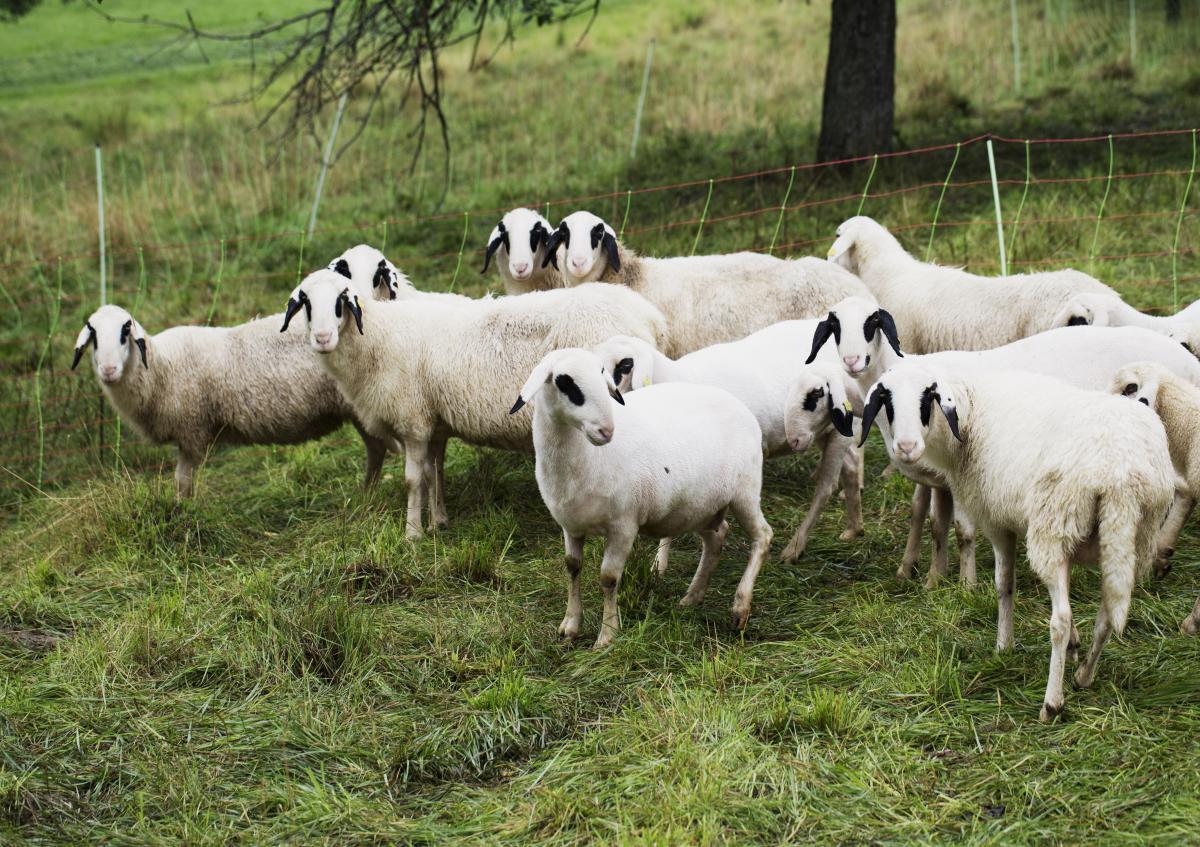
1039 408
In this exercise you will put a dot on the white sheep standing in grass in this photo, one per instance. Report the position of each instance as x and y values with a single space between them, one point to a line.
1082 475
760 370
198 386
519 243
1176 401
1102 310
1083 356
942 308
706 299
421 371
670 459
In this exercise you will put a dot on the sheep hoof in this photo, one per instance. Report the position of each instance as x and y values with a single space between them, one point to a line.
1189 625
1162 565
850 534
568 630
1050 713
414 533
602 642
1084 676
690 600
792 552
740 618
931 581
906 570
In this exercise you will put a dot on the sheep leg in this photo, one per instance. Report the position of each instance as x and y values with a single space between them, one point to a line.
1004 545
185 469
1057 584
964 531
713 540
750 516
916 526
435 482
1168 535
852 470
1191 624
827 474
616 551
573 560
663 558
943 512
415 452
1086 672
377 449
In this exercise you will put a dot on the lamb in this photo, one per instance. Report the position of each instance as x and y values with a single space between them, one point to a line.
421 371
197 386
940 308
521 238
1176 401
706 299
376 277
1102 310
759 370
672 458
1081 474
1083 356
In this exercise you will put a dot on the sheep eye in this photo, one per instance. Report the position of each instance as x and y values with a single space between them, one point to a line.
1130 389
810 399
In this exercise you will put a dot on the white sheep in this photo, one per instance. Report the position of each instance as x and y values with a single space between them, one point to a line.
1176 401
422 371
376 277
1084 356
941 308
1103 310
197 386
1079 474
760 370
706 299
671 459
519 243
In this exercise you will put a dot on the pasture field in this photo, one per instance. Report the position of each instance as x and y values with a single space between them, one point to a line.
274 662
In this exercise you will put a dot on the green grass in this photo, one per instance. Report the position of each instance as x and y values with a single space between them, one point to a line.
274 662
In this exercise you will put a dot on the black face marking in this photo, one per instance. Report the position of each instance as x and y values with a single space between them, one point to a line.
811 398
625 366
383 276
342 267
1076 320
1130 389
568 387
597 234
1143 401
126 328
927 398
537 236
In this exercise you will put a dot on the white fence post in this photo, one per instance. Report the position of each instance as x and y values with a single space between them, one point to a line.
996 198
100 218
637 118
337 120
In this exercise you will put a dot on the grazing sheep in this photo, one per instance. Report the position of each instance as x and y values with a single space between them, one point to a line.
760 370
198 386
1102 310
1080 474
422 371
939 308
670 459
519 242
1177 404
706 299
1083 356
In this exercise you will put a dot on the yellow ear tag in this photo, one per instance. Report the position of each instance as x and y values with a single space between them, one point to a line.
846 405
645 382
832 252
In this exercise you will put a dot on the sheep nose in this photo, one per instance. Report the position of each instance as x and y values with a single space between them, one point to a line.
605 433
794 443
323 336
906 447
521 269
578 262
108 371
851 363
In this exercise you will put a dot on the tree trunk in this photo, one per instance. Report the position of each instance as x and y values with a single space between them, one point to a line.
1174 10
860 80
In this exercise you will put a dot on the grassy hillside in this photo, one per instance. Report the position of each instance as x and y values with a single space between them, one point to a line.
274 662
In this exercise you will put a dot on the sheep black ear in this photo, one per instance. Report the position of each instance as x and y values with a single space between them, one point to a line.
1080 320
951 414
888 326
491 250
341 266
559 236
609 241
86 336
878 399
615 393
141 345
383 276
830 326
293 306
843 421
351 301
516 407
